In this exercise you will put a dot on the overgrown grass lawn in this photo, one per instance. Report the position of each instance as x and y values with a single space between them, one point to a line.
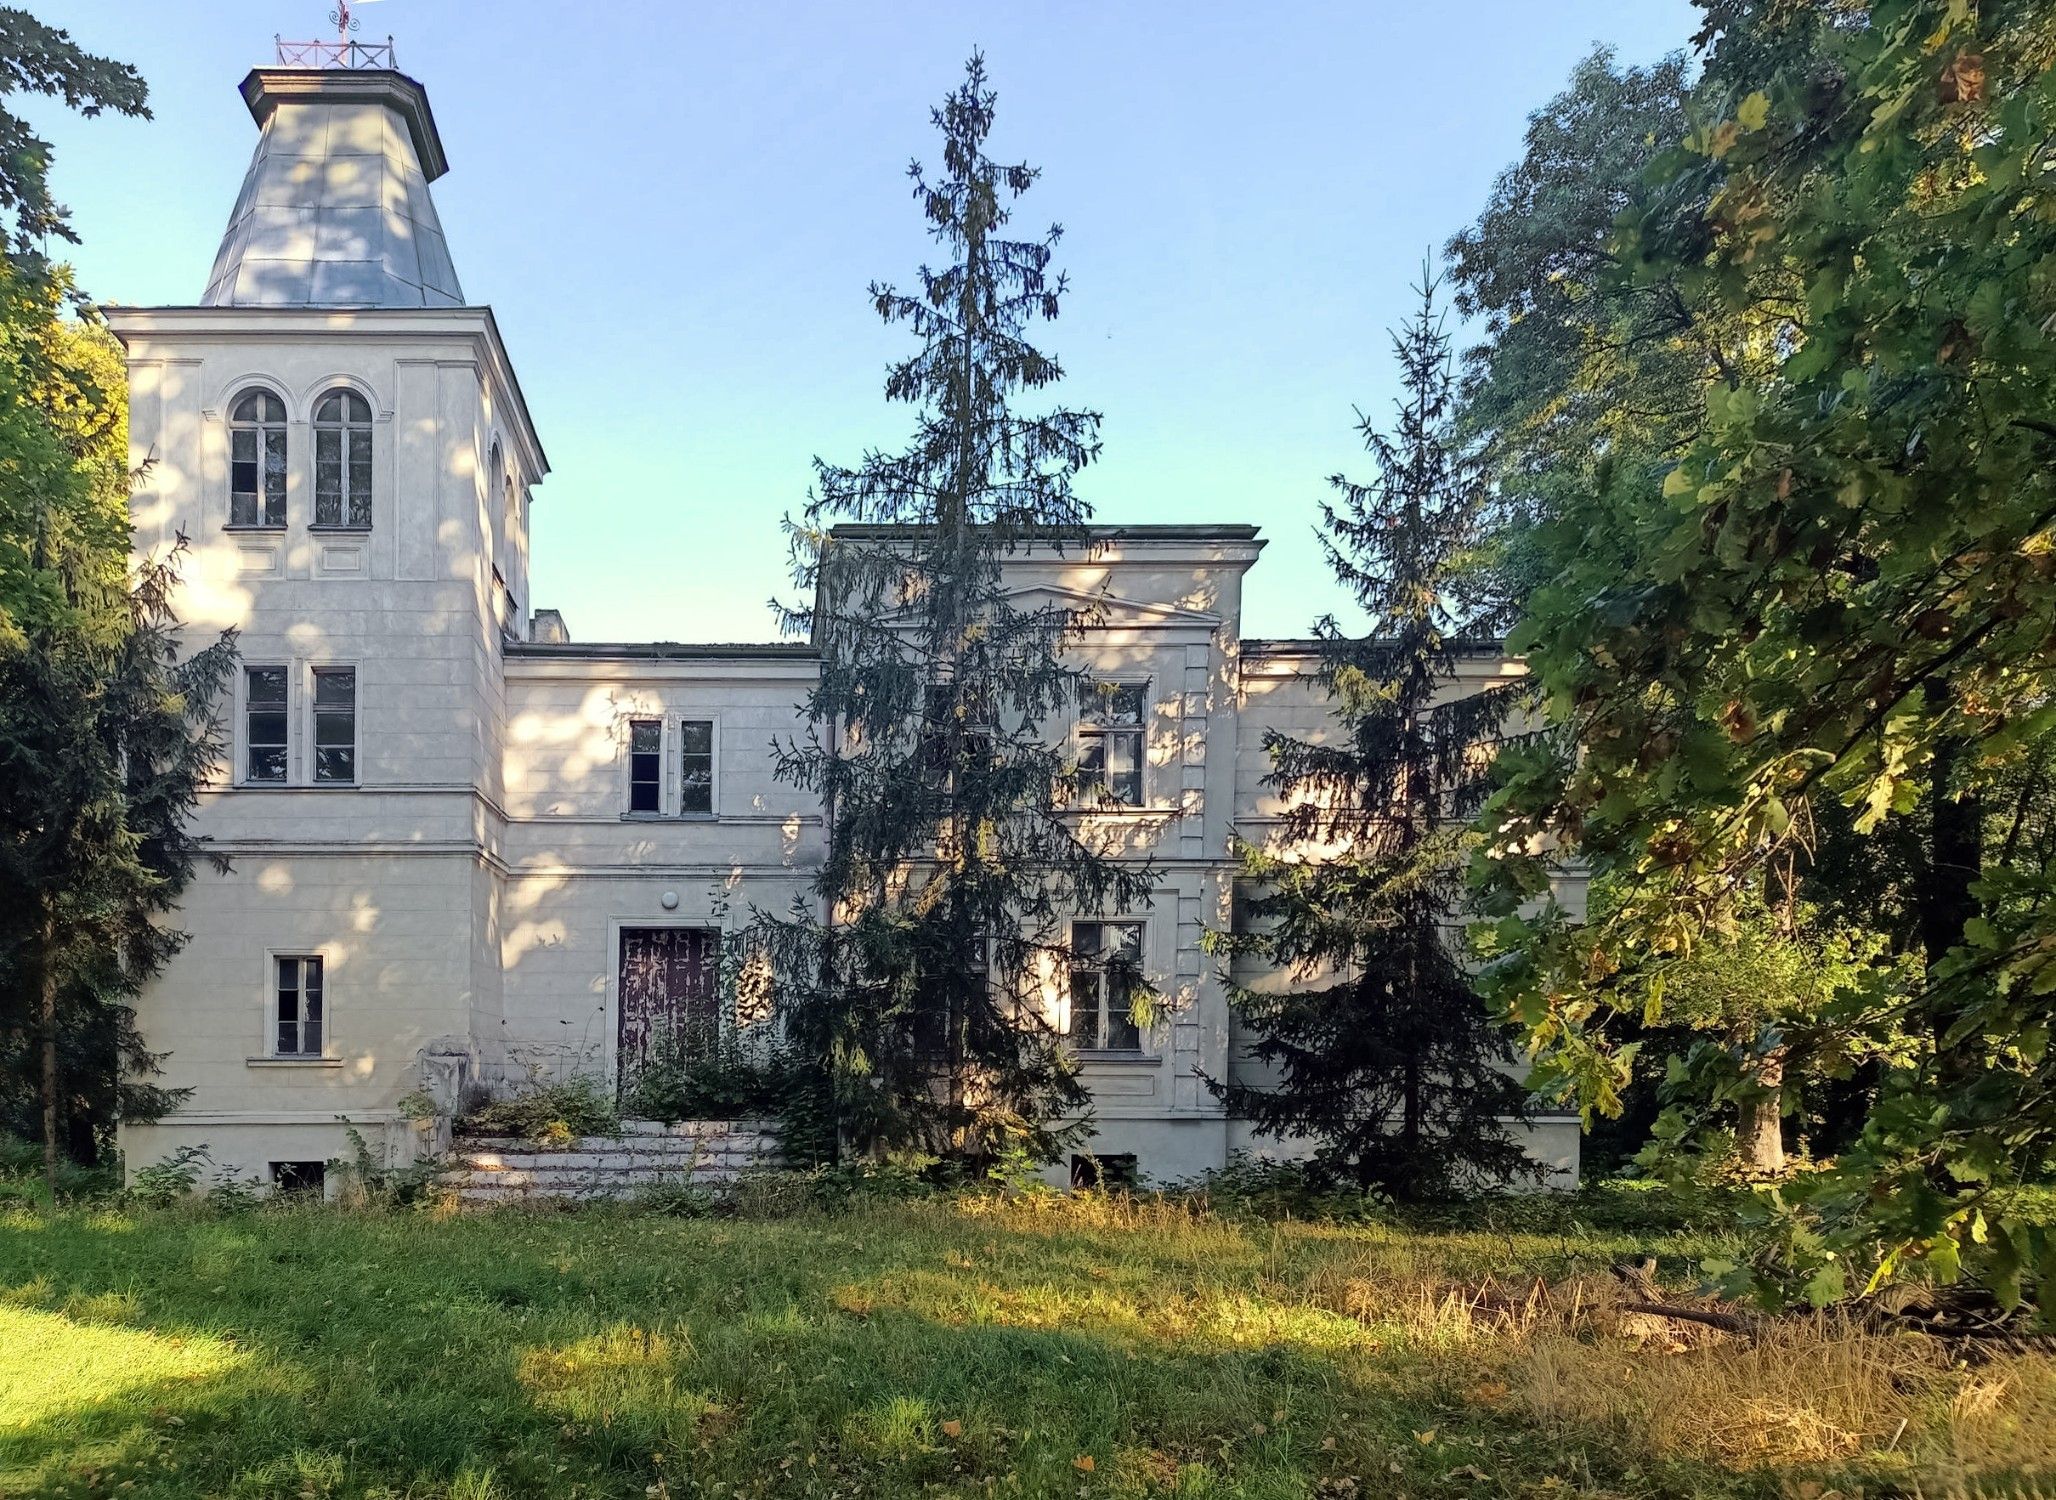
1076 1348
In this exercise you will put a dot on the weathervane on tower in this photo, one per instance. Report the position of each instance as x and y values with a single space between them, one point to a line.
340 53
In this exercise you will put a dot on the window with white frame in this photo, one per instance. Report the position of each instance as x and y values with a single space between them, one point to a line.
301 1013
335 724
696 767
342 460
1110 742
257 460
1106 981
265 719
645 765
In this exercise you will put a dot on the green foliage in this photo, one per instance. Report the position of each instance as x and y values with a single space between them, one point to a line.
170 1181
952 867
369 1178
105 734
714 1073
1381 1051
1575 365
1835 601
551 1113
40 59
1253 1187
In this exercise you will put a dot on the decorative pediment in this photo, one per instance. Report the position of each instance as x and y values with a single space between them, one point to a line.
1115 610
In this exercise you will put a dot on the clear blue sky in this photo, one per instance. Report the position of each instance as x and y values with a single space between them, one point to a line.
674 209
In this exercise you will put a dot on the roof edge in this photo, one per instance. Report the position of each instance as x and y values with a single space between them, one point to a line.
264 89
662 650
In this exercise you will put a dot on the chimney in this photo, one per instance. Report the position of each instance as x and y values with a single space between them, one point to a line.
335 209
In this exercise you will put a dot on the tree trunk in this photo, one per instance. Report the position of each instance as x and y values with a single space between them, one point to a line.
1760 1135
1954 863
46 985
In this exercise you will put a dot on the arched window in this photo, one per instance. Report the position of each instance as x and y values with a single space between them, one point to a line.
257 460
342 460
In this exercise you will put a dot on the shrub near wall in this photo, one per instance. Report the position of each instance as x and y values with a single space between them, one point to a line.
712 1074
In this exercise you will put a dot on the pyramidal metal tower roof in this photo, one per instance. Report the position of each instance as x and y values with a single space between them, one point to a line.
335 209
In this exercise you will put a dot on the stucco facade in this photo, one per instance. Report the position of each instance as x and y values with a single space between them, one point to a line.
441 813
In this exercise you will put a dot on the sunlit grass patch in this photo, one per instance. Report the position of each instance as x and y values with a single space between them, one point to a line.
56 1365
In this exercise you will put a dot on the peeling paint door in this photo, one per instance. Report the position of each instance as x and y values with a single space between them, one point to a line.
668 987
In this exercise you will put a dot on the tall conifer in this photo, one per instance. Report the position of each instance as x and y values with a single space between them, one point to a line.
952 867
1378 1049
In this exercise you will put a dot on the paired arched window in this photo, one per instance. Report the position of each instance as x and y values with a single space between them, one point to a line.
342 460
257 460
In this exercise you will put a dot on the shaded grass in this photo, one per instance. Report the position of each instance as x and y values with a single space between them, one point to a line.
973 1347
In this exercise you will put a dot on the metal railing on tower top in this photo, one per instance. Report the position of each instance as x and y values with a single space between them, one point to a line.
338 54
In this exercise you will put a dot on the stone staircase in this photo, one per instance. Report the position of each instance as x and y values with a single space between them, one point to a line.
696 1153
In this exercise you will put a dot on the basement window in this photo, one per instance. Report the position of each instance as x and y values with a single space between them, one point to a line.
300 1178
1109 1173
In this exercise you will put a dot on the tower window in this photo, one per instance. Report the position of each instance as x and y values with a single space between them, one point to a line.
257 460
342 460
264 724
335 724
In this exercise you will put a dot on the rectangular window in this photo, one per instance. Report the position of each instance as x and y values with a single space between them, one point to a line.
957 727
696 766
257 476
335 724
342 476
1110 742
645 765
1116 1173
300 1014
264 724
306 1177
1106 977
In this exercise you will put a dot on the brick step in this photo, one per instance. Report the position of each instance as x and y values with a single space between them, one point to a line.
701 1153
589 1176
492 1161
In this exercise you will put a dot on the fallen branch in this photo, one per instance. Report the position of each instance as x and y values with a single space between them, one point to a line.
1726 1322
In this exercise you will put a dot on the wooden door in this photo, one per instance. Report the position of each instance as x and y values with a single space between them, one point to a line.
669 988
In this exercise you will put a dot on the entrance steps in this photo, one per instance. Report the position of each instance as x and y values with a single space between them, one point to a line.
647 1154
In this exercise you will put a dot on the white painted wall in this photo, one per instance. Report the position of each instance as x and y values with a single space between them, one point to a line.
468 893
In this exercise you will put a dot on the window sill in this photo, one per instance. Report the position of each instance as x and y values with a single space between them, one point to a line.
297 786
259 529
321 530
292 1062
1118 1059
649 817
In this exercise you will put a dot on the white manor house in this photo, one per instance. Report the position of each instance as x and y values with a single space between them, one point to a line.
452 828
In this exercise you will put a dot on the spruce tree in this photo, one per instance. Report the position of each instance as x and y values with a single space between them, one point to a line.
1378 1049
103 749
952 869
